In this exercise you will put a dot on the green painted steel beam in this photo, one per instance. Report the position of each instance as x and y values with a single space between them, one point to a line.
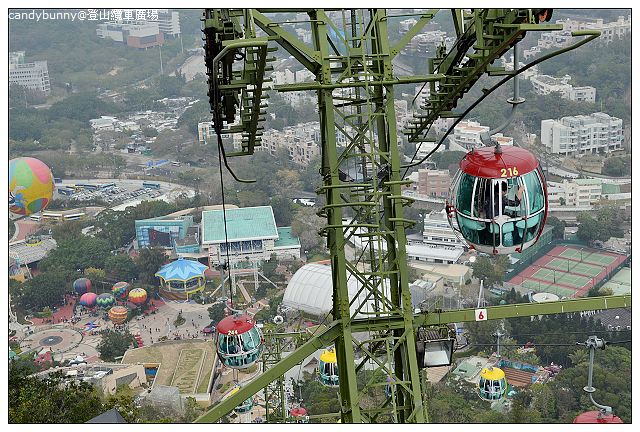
326 337
390 82
308 57
528 309
424 20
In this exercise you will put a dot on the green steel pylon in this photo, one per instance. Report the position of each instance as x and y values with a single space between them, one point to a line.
351 57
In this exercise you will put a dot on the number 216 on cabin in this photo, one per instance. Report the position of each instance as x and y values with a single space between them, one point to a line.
509 172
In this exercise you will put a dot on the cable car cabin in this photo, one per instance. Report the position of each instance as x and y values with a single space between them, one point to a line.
498 199
299 415
597 417
328 368
493 384
244 407
239 342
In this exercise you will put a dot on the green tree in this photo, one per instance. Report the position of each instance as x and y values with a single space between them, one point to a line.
124 402
49 399
491 269
149 132
558 226
46 289
80 106
191 410
77 254
149 261
607 224
445 159
305 225
113 344
67 230
120 267
268 268
95 275
216 312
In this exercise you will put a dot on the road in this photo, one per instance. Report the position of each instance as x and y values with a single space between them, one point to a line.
244 292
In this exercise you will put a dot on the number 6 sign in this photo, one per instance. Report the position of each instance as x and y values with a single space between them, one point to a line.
481 314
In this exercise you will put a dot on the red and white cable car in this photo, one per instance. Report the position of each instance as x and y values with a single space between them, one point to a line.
498 199
239 341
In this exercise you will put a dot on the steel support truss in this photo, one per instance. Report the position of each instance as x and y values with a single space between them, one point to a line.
327 336
351 57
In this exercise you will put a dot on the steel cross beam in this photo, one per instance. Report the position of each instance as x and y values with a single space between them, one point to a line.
327 336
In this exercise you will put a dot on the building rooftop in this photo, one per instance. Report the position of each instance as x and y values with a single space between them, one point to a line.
433 252
111 416
182 270
614 319
27 252
588 182
249 223
286 238
610 188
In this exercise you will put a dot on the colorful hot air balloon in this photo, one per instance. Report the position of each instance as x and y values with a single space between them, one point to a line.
138 296
81 286
118 315
30 185
120 290
105 301
88 300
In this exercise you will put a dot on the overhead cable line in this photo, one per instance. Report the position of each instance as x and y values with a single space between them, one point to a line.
486 92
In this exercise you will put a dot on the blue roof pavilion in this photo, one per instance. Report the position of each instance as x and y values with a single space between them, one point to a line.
182 277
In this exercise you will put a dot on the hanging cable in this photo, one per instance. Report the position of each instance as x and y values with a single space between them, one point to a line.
227 264
591 35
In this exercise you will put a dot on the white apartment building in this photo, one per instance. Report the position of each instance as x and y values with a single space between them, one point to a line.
169 22
609 31
545 84
466 134
576 135
427 42
137 34
582 94
301 141
527 74
574 193
34 76
615 29
437 231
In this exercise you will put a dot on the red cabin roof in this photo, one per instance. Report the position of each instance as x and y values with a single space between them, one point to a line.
298 412
239 323
484 162
595 417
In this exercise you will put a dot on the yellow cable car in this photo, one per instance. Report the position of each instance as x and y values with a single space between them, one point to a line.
493 384
328 368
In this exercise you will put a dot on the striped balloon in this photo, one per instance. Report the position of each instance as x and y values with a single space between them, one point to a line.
138 296
120 290
106 300
118 315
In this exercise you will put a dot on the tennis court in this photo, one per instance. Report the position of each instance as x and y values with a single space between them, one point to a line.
589 257
560 277
570 271
620 283
576 267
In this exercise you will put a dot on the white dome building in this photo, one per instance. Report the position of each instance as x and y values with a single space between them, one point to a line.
310 290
